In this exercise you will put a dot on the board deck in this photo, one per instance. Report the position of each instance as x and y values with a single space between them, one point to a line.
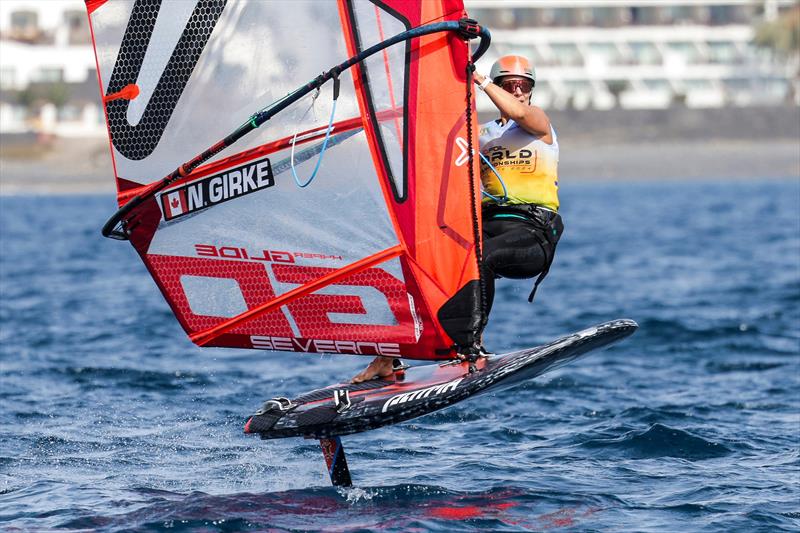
347 408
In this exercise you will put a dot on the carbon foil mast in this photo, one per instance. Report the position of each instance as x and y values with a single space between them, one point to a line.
333 451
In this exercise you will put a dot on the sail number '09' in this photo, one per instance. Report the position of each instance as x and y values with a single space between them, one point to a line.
341 320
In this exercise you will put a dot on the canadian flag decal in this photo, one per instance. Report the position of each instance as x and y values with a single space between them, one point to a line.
206 192
174 204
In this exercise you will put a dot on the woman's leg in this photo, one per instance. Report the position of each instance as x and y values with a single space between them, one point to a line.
511 249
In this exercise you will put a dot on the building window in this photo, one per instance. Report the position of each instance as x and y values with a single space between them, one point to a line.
74 19
495 18
563 16
78 26
737 84
726 15
566 54
24 21
679 14
608 51
578 86
698 85
723 52
657 84
526 17
645 53
69 113
8 78
687 50
24 26
649 15
610 17
49 74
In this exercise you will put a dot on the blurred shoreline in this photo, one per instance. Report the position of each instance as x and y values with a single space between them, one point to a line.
626 145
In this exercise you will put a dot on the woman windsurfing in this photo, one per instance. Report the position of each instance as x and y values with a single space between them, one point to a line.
519 174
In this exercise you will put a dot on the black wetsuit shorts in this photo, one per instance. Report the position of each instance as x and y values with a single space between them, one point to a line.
519 242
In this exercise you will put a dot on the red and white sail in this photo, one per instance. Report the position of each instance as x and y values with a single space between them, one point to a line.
362 260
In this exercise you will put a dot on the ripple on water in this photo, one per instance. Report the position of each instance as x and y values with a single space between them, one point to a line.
743 366
658 440
133 378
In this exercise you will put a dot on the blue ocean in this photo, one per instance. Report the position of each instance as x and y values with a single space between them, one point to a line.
111 420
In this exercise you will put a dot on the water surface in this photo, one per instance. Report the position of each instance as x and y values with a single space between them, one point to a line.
110 419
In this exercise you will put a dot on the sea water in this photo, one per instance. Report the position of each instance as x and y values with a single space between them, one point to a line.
110 419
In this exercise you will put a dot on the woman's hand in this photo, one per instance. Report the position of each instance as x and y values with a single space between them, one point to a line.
477 77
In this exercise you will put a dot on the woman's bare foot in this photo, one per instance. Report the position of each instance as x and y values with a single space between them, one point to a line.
380 367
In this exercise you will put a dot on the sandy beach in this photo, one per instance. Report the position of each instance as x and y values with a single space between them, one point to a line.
743 143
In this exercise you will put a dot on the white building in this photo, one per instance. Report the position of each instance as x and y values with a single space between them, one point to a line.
652 53
588 53
46 45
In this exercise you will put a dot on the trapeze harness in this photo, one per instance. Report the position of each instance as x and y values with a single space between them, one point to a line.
519 173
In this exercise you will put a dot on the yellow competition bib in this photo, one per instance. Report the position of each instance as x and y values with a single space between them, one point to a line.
527 165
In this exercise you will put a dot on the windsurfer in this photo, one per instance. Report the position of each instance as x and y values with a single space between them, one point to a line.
519 174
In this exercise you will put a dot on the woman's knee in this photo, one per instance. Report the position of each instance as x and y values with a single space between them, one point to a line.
519 263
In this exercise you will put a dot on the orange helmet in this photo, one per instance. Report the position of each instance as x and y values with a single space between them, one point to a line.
512 65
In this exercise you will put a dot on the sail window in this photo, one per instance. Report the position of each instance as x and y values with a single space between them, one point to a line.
385 76
209 296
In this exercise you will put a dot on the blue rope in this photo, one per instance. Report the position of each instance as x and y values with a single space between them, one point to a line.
499 199
321 153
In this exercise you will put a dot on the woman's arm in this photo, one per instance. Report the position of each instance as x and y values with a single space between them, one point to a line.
529 117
